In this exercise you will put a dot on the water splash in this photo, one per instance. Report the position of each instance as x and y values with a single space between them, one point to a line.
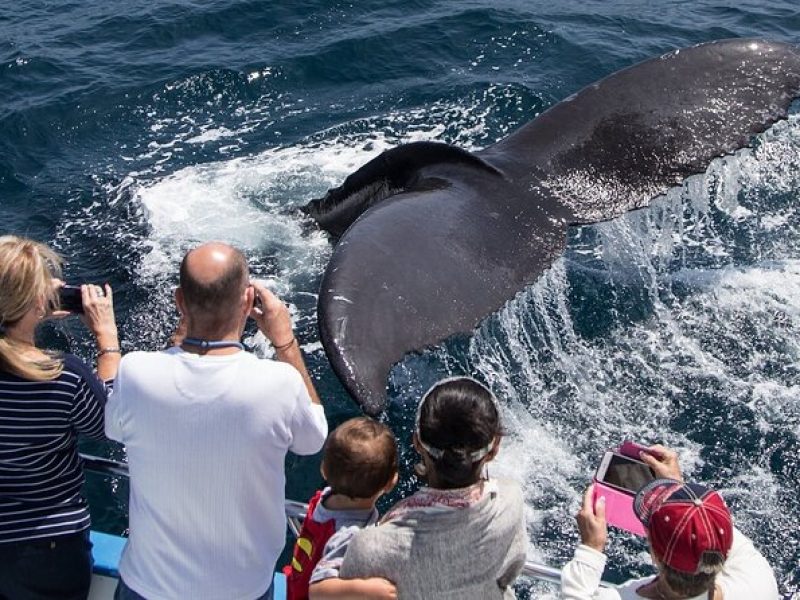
676 324
699 297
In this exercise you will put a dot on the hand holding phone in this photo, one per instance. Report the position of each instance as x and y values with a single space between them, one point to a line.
663 462
272 316
270 284
592 520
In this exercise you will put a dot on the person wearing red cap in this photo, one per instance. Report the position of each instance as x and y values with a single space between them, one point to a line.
699 553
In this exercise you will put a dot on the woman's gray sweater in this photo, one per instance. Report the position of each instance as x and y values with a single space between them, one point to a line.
469 553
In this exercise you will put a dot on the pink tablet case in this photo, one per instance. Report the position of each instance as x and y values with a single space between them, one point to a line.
619 508
632 450
619 504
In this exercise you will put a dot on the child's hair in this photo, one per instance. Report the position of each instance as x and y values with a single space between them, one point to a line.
360 458
694 584
457 424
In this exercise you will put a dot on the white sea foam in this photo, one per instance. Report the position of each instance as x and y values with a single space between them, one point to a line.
248 202
211 134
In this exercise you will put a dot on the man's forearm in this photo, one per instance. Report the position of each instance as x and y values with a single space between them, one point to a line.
292 355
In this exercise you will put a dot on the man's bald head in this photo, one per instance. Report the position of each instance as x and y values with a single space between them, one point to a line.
213 277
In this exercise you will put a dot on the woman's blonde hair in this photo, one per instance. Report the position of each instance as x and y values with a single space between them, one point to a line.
27 269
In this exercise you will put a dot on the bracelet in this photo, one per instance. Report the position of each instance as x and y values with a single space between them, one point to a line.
284 346
110 350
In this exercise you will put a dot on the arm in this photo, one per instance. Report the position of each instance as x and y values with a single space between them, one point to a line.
89 401
114 406
98 314
325 583
580 578
274 322
334 588
293 356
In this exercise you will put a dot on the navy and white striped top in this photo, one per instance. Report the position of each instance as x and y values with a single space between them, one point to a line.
40 471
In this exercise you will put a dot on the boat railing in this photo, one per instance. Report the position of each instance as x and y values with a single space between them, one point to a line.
296 512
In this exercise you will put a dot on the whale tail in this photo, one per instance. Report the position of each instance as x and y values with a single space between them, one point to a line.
434 239
392 172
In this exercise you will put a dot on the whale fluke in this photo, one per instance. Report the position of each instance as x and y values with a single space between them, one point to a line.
387 174
433 239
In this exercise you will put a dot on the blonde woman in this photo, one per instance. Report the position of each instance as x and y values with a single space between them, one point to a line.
46 400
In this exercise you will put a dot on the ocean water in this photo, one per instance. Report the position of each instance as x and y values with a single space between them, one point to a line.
132 131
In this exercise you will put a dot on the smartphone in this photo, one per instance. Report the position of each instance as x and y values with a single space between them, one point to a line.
618 478
624 473
70 299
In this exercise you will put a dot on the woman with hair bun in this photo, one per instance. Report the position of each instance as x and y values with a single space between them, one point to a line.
463 536
46 400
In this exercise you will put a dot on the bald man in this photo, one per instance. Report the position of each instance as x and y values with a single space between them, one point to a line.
207 427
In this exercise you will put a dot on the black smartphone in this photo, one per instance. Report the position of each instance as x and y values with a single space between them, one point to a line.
70 299
623 472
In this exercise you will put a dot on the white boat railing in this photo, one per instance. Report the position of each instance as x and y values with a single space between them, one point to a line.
296 512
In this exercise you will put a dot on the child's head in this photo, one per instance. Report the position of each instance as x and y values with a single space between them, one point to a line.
360 459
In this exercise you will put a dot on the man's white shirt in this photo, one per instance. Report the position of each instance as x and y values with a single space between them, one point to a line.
206 439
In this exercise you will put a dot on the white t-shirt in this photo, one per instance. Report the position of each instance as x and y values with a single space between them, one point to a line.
745 576
206 439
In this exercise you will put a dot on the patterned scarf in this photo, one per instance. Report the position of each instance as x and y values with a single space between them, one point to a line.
430 500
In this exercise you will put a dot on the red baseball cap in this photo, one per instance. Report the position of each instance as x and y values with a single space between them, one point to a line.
684 521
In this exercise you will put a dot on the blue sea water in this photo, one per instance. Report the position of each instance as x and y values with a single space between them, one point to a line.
131 131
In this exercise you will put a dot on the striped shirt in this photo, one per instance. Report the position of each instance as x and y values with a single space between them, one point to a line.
40 471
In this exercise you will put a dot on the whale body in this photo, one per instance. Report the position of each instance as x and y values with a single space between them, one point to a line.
432 239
